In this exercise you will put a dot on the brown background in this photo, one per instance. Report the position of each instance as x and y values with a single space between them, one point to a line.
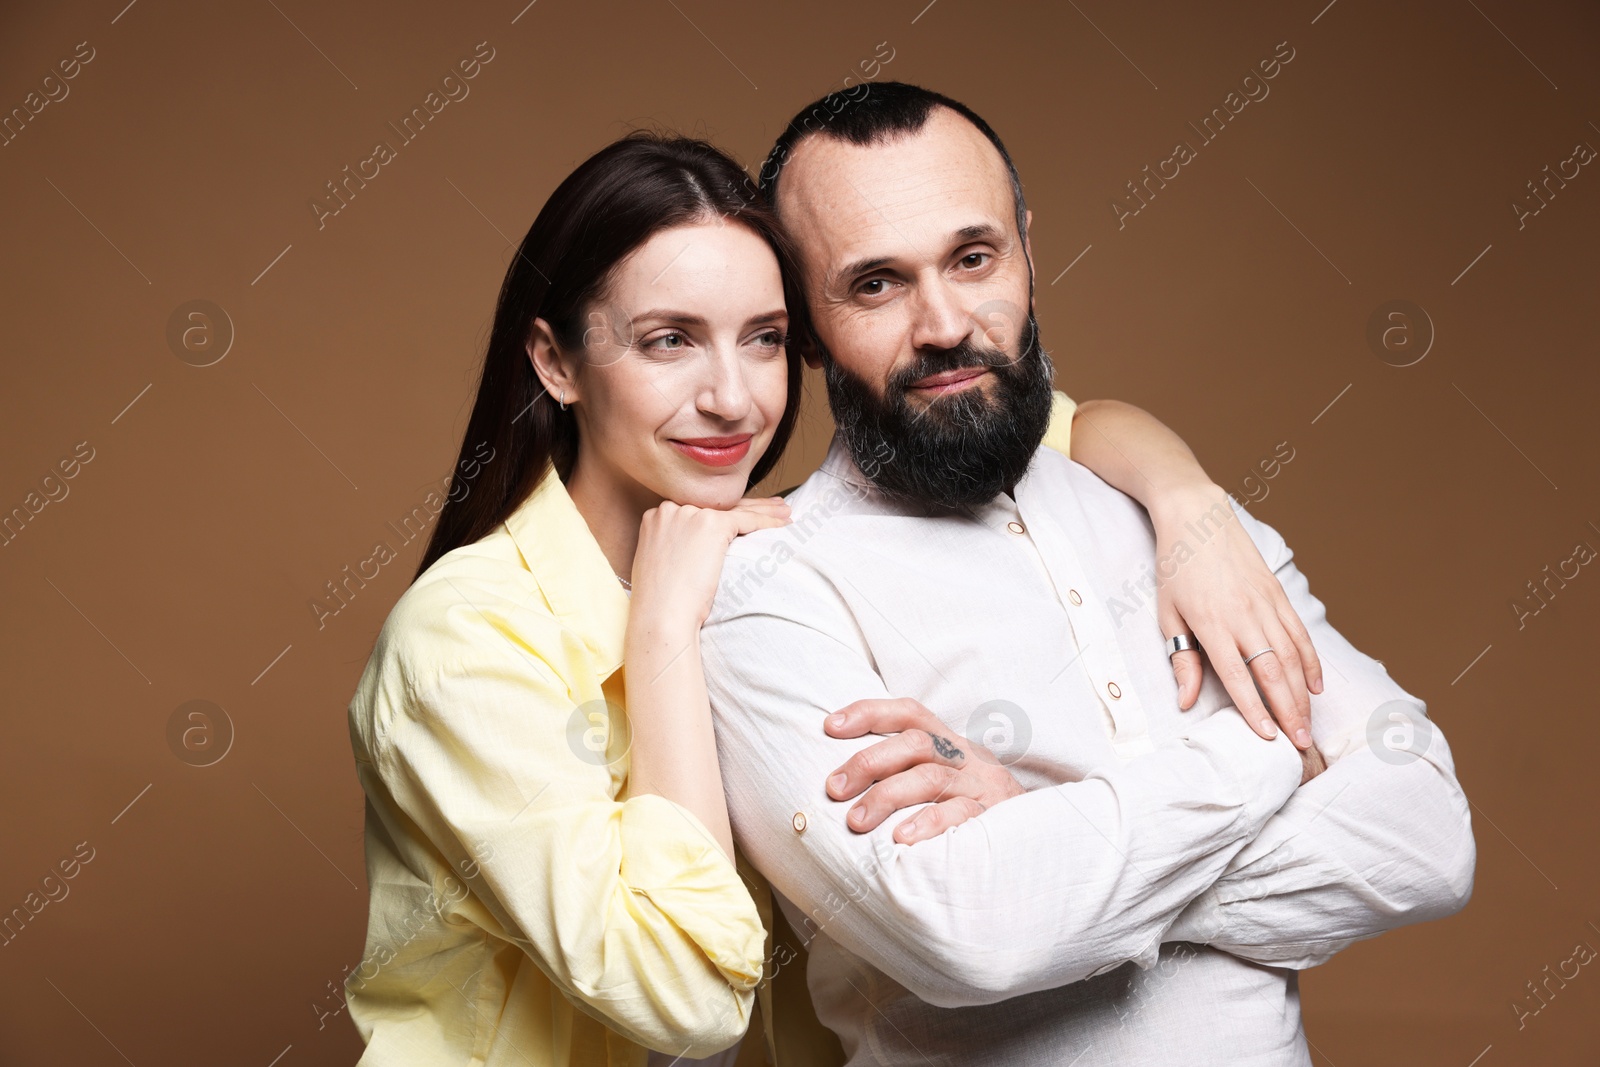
220 905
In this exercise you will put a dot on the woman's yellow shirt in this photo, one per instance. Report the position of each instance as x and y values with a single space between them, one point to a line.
525 908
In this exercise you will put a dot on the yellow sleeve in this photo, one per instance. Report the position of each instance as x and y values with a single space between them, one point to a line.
628 906
1059 434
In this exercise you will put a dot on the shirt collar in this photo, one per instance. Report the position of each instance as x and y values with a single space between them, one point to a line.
841 465
573 573
838 463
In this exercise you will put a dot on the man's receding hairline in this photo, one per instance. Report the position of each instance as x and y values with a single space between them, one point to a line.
880 139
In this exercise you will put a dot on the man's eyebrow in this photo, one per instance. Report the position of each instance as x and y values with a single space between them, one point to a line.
978 231
856 269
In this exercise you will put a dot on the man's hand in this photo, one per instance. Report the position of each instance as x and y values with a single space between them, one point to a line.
925 762
1312 763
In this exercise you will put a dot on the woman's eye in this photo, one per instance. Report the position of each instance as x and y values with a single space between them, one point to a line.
772 339
667 342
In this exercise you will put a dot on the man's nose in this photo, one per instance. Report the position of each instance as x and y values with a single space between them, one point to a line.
941 319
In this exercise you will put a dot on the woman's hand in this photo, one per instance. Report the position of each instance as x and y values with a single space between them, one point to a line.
1224 594
925 762
681 551
676 566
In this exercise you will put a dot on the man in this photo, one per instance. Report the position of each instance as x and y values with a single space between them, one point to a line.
1154 878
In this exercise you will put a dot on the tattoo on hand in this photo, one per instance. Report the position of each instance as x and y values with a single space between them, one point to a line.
943 746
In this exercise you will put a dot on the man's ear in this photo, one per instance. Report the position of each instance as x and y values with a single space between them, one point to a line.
555 371
804 342
1027 239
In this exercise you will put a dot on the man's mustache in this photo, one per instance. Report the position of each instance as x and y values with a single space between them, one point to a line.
936 361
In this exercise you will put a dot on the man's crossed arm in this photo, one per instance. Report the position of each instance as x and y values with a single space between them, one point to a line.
1204 839
1381 839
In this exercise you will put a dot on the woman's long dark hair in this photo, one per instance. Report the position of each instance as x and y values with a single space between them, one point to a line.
615 201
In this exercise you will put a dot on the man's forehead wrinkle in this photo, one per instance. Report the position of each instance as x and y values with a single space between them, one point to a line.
835 214
854 224
894 200
810 209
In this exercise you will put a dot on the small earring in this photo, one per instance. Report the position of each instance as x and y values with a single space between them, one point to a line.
563 400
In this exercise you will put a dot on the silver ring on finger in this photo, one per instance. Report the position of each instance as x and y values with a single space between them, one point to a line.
1263 652
1181 643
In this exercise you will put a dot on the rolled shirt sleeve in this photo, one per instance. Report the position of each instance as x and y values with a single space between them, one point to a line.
1058 434
627 905
1381 839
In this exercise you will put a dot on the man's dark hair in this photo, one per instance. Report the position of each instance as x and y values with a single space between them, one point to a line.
881 112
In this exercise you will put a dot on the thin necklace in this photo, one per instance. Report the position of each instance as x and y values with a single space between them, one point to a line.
625 583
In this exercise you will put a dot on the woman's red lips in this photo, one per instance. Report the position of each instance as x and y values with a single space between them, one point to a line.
714 451
950 381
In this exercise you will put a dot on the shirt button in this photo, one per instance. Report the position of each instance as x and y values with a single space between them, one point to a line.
1072 595
1016 527
1114 690
799 822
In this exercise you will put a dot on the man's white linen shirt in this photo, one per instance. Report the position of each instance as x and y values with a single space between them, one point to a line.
1152 895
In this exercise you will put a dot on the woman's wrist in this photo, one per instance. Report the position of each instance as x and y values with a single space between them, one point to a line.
1183 503
653 627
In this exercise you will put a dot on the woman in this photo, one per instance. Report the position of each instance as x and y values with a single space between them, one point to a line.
553 880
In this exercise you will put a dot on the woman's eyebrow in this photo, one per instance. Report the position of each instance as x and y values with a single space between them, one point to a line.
683 318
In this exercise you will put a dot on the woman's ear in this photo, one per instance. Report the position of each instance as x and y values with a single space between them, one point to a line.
555 370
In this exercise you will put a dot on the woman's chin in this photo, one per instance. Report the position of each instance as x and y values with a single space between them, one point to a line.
722 490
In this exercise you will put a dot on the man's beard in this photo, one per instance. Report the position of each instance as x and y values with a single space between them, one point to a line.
959 449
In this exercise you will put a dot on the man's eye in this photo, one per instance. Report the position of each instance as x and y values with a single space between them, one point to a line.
974 259
866 287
